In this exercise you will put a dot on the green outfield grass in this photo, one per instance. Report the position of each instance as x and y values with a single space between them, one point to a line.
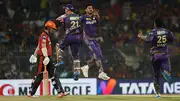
94 98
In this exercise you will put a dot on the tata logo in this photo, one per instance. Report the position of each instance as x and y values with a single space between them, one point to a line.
137 88
7 89
105 87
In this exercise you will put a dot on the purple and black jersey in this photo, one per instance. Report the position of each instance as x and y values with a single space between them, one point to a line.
73 30
90 24
90 27
159 38
72 24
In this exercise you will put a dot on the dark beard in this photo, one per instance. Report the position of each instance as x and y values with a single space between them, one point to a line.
90 13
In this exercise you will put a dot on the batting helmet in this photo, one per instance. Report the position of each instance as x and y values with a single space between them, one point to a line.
50 24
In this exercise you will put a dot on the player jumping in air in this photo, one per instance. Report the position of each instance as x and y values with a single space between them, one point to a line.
90 26
159 37
73 36
43 54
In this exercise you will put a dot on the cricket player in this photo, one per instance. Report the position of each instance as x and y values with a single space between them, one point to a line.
73 36
159 38
43 54
90 27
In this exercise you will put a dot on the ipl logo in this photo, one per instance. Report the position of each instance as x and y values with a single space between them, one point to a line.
106 87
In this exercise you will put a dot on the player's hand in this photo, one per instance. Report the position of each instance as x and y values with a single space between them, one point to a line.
61 18
33 59
46 60
96 12
140 34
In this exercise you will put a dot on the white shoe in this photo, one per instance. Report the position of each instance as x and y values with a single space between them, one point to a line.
66 93
85 70
103 76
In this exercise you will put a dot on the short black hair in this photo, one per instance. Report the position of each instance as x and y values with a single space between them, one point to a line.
158 22
88 5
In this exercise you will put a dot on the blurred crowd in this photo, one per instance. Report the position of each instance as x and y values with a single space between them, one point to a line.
125 56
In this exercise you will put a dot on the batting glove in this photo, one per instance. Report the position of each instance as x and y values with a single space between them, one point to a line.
46 61
33 59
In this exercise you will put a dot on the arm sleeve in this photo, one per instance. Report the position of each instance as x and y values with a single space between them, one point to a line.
43 42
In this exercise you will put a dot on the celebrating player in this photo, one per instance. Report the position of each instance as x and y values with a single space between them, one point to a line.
159 37
43 54
73 36
90 23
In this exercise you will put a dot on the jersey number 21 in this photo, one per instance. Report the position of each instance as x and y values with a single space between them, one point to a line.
74 24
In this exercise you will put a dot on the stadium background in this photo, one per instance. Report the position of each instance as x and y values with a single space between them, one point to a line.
125 57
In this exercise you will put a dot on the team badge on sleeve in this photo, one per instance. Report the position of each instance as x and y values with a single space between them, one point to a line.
44 37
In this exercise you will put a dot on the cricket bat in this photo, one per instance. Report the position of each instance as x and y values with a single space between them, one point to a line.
58 56
46 85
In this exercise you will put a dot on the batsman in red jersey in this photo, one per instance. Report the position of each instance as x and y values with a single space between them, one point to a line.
43 54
